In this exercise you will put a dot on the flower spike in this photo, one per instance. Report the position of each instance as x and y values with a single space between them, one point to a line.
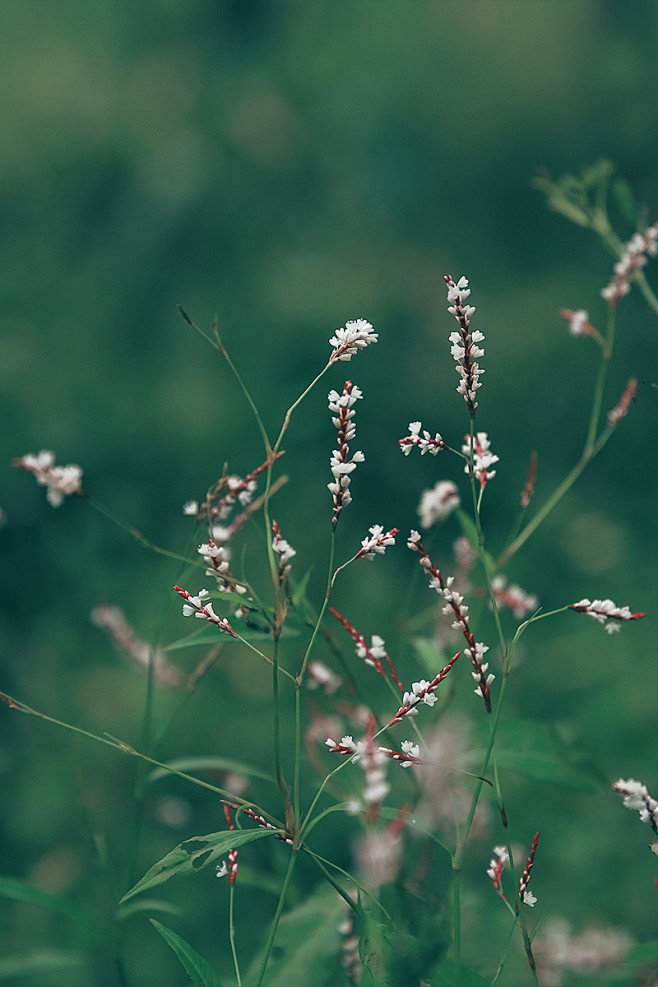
465 349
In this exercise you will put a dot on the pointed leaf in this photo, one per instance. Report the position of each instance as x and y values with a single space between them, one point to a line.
194 854
196 967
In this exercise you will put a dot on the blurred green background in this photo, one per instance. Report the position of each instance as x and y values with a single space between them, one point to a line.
288 166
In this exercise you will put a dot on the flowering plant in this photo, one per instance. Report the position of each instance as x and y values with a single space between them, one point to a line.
373 914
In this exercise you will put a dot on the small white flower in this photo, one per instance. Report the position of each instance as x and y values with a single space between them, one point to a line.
438 503
60 480
529 899
191 507
355 336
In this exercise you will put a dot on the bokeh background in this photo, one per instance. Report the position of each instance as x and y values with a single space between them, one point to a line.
287 166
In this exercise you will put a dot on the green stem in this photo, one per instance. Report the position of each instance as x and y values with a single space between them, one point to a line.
591 447
275 921
124 748
231 936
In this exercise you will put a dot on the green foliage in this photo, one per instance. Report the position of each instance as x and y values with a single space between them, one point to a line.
194 854
199 970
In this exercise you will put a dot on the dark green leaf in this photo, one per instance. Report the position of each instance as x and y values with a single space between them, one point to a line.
196 853
196 967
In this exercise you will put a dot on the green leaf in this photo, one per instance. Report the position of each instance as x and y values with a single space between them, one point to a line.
199 970
209 763
308 941
194 854
47 961
299 597
147 905
625 201
210 634
447 974
11 887
535 750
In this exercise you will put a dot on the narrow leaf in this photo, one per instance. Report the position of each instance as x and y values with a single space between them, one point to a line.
194 854
46 961
196 967
11 887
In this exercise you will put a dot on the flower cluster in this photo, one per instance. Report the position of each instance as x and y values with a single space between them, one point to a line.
283 549
356 335
438 503
606 612
483 458
232 869
455 605
113 621
321 677
579 324
621 408
424 442
636 796
378 542
500 861
342 464
373 655
527 897
497 864
465 349
512 596
422 692
60 480
372 759
633 257
196 606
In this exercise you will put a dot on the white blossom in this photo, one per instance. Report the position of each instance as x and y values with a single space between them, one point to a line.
60 480
605 612
424 442
438 503
378 542
356 335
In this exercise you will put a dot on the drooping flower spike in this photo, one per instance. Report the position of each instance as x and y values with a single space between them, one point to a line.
606 613
373 655
465 349
454 603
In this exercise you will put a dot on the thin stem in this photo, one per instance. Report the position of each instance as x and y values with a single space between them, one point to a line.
591 447
231 935
275 921
124 748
